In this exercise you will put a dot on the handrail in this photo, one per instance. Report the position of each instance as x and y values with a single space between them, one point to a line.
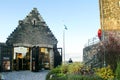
92 41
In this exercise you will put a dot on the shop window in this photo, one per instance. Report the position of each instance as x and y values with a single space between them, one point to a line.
44 50
6 65
19 55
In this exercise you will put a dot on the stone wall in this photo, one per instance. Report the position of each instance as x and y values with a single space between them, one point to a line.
110 14
91 56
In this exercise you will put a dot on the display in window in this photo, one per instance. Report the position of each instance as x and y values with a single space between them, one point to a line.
6 65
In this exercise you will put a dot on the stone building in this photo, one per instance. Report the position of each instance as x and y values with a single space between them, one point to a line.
31 46
110 14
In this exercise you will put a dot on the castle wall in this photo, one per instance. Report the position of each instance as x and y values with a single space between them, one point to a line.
110 14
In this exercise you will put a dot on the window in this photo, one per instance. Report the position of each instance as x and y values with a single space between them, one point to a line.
6 65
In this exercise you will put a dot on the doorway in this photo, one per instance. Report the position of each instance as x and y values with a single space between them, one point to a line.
21 60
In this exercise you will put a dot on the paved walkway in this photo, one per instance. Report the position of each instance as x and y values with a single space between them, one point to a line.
25 75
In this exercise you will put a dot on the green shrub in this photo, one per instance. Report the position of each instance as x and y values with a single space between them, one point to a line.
60 76
54 72
75 68
64 68
81 77
106 73
71 72
118 71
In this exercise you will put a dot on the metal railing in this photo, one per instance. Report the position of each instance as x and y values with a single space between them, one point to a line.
92 41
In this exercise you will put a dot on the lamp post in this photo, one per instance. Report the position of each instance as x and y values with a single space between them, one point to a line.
65 28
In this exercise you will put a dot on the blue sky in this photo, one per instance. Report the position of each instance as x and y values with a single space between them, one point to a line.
81 17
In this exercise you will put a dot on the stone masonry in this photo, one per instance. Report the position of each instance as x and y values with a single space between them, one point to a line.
91 55
32 31
110 14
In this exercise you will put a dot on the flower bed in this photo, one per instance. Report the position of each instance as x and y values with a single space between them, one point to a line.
74 71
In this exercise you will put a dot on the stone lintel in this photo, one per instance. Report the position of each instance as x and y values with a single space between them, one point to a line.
30 45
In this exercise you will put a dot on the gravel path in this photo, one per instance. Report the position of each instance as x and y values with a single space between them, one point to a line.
25 75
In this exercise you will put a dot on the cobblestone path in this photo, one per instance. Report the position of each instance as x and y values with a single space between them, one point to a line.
25 75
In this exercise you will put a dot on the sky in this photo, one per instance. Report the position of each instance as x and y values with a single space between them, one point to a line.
82 18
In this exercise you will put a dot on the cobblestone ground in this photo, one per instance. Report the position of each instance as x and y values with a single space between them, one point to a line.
25 75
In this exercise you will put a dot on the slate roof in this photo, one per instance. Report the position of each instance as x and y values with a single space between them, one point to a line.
32 31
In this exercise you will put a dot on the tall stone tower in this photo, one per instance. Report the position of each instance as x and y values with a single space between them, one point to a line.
110 14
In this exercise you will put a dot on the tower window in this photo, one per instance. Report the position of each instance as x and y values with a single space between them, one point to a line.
34 22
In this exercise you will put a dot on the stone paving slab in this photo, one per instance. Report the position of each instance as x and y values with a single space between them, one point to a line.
25 75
